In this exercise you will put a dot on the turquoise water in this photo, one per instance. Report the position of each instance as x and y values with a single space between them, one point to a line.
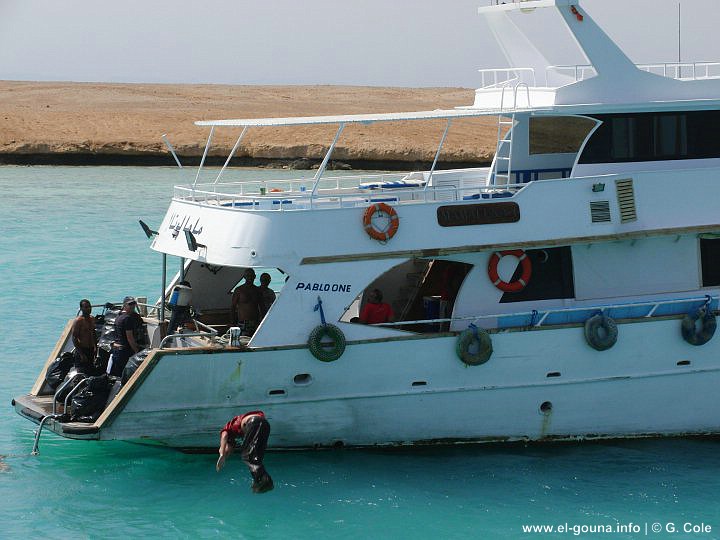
68 233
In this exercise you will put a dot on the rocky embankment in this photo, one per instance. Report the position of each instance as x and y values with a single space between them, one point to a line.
122 124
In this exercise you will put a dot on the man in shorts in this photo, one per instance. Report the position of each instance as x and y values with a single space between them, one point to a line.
246 304
254 430
84 338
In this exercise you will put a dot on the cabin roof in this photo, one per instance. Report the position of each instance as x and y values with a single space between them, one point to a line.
353 118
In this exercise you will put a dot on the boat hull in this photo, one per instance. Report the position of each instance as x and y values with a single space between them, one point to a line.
544 384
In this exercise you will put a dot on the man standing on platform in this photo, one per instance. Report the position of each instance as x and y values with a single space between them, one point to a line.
125 345
84 338
254 430
246 304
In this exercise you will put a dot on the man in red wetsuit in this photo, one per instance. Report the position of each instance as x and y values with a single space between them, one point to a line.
376 311
254 430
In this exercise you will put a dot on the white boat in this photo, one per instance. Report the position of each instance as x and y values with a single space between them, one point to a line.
541 298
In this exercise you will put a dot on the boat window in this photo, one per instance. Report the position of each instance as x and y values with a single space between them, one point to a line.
558 134
552 276
710 261
653 137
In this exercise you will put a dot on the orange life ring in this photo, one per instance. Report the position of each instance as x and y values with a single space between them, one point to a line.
512 286
377 234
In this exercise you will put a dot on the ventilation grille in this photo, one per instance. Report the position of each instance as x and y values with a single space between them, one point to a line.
626 200
600 211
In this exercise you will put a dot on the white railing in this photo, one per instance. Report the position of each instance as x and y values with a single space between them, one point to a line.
686 71
499 77
538 318
577 72
341 192
500 2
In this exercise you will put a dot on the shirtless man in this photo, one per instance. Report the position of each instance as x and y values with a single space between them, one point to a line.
267 295
83 336
254 430
246 304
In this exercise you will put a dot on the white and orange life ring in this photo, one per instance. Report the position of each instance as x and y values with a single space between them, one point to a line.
374 232
510 286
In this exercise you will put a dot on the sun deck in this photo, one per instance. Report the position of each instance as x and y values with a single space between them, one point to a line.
349 191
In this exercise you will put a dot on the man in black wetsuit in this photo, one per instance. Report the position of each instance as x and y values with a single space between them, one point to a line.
125 345
254 430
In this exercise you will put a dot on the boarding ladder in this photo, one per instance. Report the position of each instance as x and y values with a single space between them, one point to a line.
500 175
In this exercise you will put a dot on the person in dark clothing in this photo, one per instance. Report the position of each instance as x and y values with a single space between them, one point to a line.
180 310
84 338
125 345
267 295
254 430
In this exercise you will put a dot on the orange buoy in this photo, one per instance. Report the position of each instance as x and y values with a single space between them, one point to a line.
380 209
510 286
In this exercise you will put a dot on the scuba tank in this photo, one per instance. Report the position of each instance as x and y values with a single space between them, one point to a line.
181 295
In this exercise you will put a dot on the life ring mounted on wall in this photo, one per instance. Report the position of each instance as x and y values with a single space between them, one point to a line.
510 286
379 209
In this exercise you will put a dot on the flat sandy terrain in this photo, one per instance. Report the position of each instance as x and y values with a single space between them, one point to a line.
127 121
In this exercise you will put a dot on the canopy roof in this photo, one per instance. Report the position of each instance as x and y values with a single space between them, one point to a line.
352 118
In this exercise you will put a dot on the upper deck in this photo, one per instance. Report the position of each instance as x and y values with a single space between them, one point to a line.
609 78
348 191
278 223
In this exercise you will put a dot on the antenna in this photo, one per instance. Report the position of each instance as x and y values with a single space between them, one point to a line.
679 51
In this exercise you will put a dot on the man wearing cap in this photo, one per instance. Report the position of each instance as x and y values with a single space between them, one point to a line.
125 344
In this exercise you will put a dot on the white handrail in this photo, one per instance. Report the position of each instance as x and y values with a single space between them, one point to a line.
672 70
546 313
338 197
211 333
510 74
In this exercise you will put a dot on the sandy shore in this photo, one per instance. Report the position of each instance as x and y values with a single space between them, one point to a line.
87 123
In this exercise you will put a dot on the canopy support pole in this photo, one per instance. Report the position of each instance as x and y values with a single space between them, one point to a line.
437 154
232 153
164 287
202 161
324 163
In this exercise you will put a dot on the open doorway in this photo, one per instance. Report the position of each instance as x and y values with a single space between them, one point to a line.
418 289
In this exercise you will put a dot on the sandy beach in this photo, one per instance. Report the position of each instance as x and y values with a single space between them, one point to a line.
89 123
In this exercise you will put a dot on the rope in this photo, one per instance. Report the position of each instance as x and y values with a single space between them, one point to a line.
318 306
